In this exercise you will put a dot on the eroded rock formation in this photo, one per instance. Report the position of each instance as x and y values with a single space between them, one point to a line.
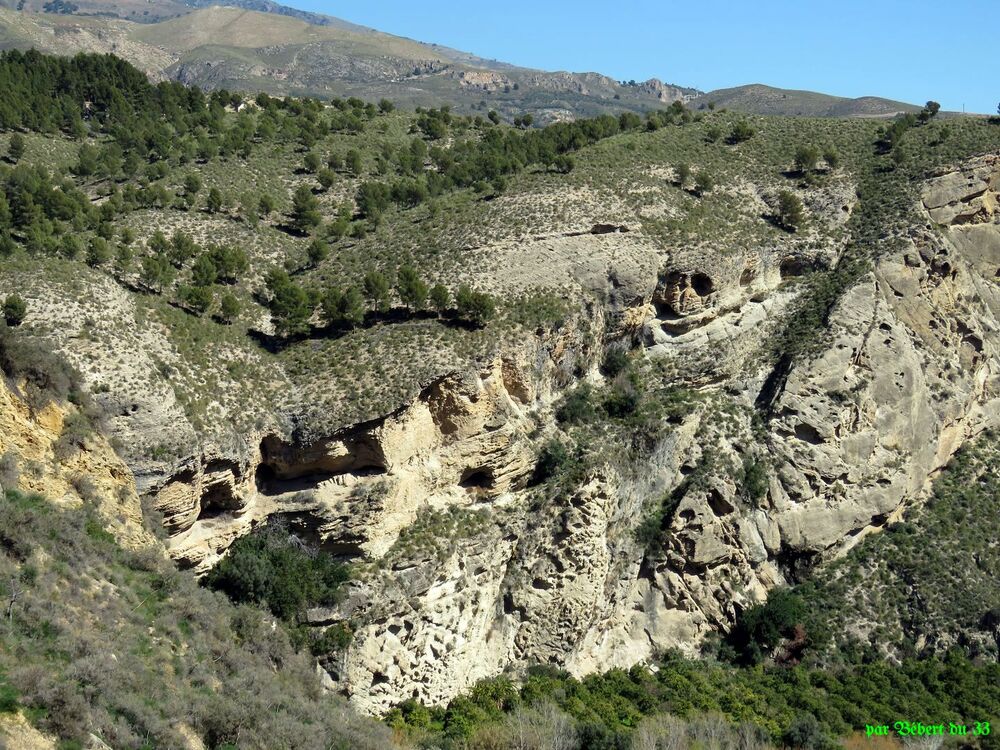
468 570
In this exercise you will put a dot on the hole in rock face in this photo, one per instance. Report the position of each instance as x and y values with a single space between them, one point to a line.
664 311
719 505
702 284
481 479
217 500
747 277
287 468
793 267
807 433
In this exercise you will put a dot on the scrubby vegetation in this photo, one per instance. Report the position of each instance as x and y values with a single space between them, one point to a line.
350 248
119 644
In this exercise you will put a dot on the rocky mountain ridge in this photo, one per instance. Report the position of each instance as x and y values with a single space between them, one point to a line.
262 46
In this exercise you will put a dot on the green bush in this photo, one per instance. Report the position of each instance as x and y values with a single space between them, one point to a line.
270 567
14 310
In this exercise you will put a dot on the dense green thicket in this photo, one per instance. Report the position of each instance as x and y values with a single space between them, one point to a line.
607 708
271 567
118 643
47 93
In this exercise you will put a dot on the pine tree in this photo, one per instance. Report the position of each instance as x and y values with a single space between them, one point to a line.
411 288
15 150
377 290
203 272
305 210
791 214
290 304
317 252
440 297
229 307
215 201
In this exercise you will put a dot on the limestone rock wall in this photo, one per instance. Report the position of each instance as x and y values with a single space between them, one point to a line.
468 570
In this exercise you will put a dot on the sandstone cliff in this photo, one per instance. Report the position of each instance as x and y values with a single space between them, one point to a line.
468 571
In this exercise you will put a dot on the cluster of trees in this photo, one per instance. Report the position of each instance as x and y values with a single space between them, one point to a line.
486 160
703 181
93 94
890 136
271 568
807 158
39 210
793 707
217 264
293 306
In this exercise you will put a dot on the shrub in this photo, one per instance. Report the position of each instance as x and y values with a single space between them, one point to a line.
577 406
703 182
75 431
554 458
14 309
683 171
215 201
759 629
755 479
741 132
615 361
335 638
791 213
805 733
272 568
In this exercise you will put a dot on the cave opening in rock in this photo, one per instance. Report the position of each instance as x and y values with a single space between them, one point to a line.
702 284
790 268
664 311
477 479
217 500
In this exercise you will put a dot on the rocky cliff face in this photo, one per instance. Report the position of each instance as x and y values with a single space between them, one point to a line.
37 457
467 569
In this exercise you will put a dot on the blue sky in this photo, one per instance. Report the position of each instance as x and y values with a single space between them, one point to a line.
912 51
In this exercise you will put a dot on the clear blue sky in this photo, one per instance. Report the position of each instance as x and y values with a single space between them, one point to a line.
912 51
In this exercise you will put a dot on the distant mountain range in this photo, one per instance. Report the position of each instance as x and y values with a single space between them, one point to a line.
257 45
